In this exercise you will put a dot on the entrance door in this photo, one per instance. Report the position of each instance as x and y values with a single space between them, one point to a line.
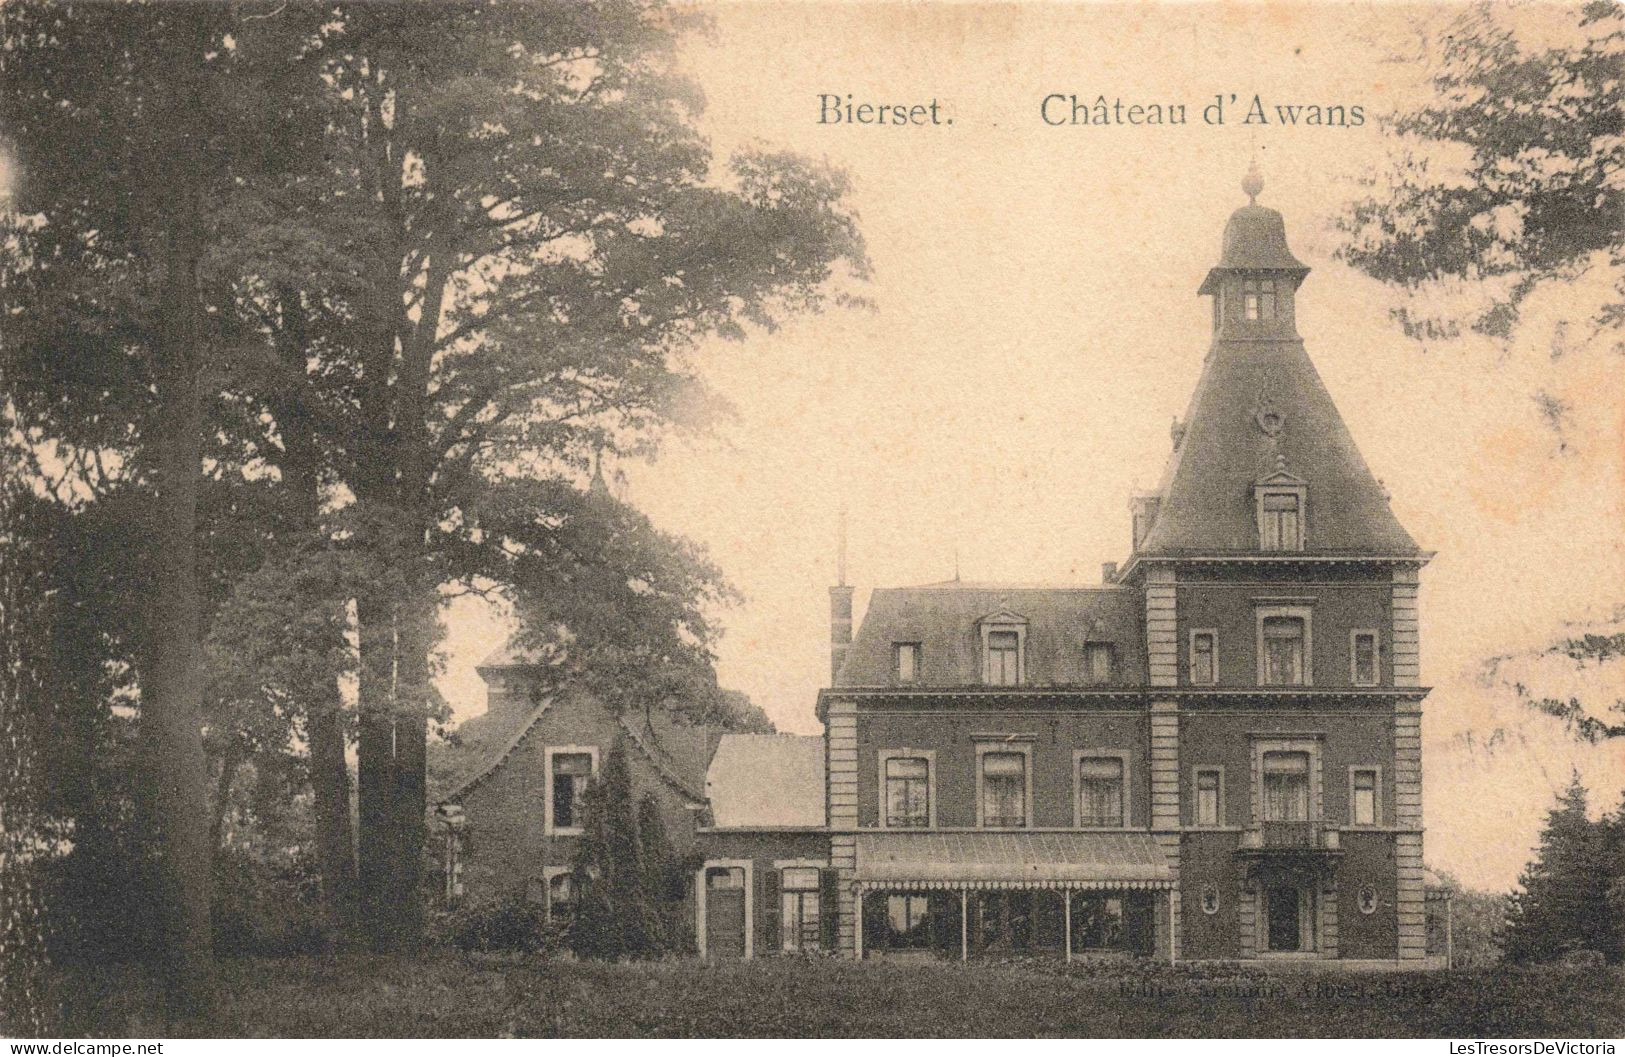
1285 921
725 912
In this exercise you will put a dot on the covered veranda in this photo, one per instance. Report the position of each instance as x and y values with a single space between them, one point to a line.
959 894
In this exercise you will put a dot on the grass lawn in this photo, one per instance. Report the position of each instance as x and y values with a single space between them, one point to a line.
455 996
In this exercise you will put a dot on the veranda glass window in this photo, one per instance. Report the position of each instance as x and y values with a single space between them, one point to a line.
1283 651
1286 786
799 922
571 771
1097 923
908 921
908 792
1003 658
1004 789
1100 792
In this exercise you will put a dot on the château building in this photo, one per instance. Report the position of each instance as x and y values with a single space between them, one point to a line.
1213 754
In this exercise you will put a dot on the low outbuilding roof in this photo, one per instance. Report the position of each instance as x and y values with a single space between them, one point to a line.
767 781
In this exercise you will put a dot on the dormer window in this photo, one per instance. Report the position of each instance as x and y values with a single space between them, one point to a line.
1281 500
1097 663
1003 658
1004 642
906 661
1282 517
1258 300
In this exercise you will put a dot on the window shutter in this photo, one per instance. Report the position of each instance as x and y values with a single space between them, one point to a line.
767 912
829 907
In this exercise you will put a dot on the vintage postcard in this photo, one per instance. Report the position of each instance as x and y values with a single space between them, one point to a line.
650 518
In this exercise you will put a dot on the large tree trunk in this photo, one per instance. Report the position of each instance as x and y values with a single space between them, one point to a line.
376 792
324 709
174 766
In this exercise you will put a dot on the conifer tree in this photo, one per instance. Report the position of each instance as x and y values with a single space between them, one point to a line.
627 876
1562 900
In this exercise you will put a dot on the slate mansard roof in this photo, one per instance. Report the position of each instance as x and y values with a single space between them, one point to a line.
1260 408
945 619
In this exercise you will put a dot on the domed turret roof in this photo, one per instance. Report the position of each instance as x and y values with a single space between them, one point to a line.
1254 240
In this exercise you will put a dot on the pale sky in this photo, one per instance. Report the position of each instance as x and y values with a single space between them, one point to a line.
1037 328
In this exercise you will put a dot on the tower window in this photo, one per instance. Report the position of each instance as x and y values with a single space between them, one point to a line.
1363 658
1363 796
1204 657
1283 651
1286 786
1208 780
1258 299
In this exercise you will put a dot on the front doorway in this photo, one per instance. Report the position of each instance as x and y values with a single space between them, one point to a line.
1289 919
725 912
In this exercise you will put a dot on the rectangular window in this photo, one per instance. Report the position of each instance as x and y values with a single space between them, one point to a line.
1004 789
1363 658
1280 521
1100 791
571 772
1286 786
1258 299
1363 797
1283 651
561 896
1097 663
908 792
799 922
1003 658
1207 796
907 665
1204 658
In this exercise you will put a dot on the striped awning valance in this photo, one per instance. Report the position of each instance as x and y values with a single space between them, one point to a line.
1078 860
1076 886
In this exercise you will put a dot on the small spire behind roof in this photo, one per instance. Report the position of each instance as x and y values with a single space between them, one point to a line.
840 549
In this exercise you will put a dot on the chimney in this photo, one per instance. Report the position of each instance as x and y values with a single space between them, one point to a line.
840 628
840 608
1108 572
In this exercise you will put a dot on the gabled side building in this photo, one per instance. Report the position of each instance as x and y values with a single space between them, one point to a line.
1214 754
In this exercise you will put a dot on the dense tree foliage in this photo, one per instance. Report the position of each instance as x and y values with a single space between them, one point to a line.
1511 178
314 315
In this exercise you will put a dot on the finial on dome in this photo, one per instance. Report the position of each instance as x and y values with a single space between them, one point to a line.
1252 183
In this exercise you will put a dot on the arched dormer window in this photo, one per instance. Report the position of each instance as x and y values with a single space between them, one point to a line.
1282 506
